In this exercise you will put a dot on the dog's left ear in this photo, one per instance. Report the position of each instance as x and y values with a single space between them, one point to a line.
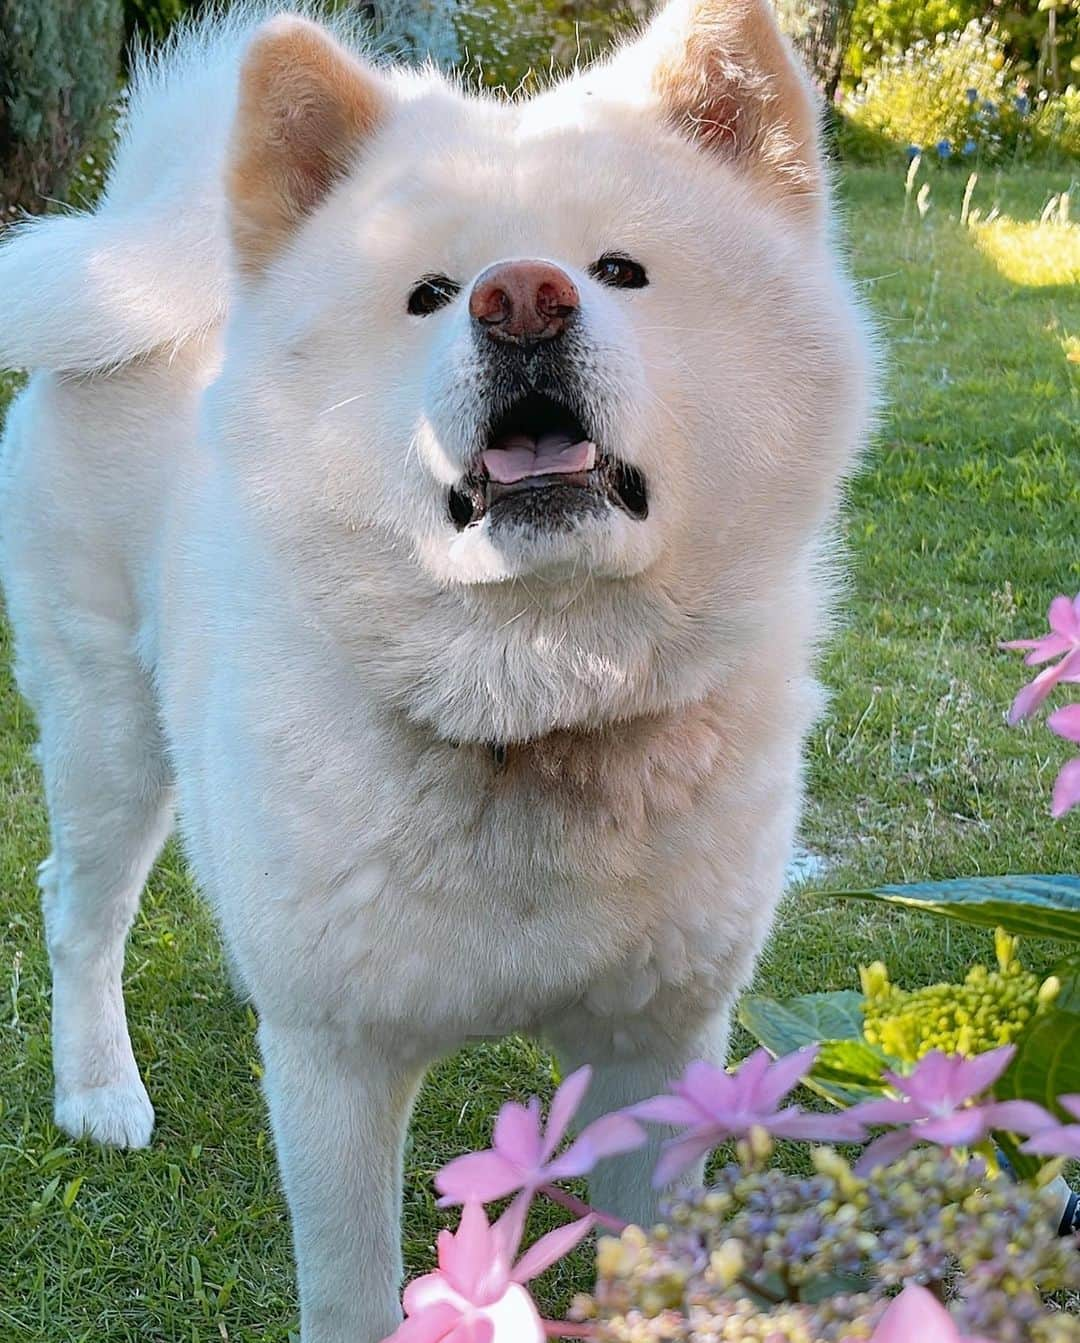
305 108
722 72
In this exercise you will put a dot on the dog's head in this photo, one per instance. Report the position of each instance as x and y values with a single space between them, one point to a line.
582 359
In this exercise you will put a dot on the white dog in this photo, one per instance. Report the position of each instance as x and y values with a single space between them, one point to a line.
428 495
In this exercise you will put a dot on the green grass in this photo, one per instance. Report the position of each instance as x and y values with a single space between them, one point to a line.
960 529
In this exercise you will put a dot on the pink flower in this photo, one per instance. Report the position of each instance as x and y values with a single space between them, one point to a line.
917 1314
1059 1139
712 1105
937 1106
477 1294
522 1156
1066 723
1062 642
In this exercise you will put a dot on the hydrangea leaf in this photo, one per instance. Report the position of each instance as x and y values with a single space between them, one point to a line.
1035 906
848 1070
1047 1062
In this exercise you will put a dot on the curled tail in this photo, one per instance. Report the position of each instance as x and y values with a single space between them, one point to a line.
149 268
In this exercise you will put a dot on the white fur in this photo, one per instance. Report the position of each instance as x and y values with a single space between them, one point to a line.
253 594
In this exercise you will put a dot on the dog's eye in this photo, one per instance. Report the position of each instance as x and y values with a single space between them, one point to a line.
621 272
433 292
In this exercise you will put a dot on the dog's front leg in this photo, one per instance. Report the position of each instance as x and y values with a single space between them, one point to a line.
340 1114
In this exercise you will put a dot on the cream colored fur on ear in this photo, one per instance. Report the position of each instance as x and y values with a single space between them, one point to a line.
723 72
305 107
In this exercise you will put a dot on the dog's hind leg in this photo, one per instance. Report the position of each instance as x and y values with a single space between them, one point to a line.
110 810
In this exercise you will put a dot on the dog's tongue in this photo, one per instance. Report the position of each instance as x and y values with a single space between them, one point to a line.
518 456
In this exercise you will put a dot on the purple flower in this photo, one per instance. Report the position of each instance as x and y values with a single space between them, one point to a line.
711 1105
1062 642
937 1105
1066 723
522 1156
1058 1139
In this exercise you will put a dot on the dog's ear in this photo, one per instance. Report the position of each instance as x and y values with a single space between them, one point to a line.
304 109
722 72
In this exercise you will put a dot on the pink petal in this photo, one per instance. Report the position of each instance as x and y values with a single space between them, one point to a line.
1066 722
885 1112
1035 692
1019 1117
1066 788
517 1136
668 1110
610 1136
886 1149
477 1330
711 1088
424 1293
843 1126
510 1227
470 1260
679 1155
932 1080
915 1314
551 1248
784 1076
1063 1141
962 1128
480 1177
1042 649
564 1106
428 1326
1064 618
1071 1104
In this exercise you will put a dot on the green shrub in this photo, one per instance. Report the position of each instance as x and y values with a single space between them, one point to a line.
59 69
956 98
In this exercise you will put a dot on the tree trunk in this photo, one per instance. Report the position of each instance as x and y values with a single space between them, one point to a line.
59 66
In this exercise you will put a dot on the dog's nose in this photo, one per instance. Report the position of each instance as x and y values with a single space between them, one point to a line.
521 301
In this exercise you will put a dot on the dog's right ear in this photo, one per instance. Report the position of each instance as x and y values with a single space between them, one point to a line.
305 107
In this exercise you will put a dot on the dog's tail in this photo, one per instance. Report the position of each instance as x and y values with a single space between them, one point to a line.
149 268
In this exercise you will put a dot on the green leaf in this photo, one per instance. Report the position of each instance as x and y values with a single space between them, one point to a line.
1035 906
1047 1062
848 1070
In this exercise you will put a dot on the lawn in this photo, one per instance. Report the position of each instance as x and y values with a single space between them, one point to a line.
960 529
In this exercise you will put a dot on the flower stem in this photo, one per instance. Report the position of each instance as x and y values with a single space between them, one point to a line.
758 1289
581 1209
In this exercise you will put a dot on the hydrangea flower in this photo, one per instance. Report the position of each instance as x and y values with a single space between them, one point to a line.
477 1294
1062 642
913 152
522 1156
711 1105
1066 723
917 1314
972 95
938 1105
1060 1139
944 149
1022 103
970 146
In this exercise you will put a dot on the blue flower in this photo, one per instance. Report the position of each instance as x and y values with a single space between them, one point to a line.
1023 104
990 108
913 152
944 149
972 95
970 146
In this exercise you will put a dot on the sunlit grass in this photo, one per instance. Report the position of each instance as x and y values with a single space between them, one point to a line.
1030 252
960 529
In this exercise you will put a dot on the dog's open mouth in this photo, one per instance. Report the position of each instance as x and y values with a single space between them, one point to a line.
541 466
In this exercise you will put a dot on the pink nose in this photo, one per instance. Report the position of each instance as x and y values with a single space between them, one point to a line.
524 301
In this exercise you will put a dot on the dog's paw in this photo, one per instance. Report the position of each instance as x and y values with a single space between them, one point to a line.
118 1115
